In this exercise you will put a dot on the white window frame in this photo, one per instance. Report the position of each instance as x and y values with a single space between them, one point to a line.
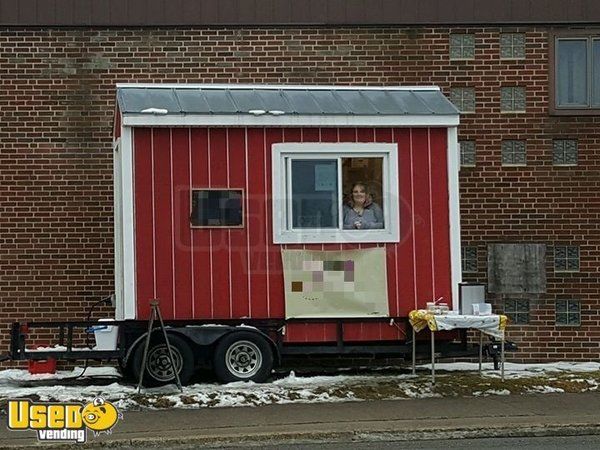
283 154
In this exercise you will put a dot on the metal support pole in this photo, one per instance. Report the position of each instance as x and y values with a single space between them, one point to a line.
414 351
146 345
502 355
171 359
155 314
433 357
480 350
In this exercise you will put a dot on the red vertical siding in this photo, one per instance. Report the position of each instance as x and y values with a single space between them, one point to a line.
182 264
238 249
223 273
200 238
163 219
144 220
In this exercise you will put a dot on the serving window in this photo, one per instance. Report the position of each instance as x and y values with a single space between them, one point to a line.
335 193
217 208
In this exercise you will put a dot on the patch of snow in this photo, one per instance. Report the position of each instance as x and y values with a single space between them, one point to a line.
544 389
514 370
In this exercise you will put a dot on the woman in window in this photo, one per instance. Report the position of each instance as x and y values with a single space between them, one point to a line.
361 212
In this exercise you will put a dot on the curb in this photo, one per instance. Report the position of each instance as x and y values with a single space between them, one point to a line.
261 439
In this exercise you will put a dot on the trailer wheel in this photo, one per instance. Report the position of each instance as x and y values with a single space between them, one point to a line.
158 369
243 356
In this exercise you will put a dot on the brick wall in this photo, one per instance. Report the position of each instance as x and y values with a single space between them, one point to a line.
57 103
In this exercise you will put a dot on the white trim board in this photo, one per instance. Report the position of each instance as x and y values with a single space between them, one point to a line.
275 87
454 209
288 120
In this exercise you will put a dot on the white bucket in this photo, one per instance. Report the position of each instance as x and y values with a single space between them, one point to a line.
106 335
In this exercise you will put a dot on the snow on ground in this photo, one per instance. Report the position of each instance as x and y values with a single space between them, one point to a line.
453 379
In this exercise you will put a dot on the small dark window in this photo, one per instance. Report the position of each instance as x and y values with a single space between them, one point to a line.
512 99
517 311
568 312
467 153
512 46
564 152
566 258
462 46
217 208
463 98
514 153
469 259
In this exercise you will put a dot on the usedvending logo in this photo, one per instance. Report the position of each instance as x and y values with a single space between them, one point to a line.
63 421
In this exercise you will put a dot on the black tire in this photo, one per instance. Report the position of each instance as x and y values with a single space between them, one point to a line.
243 356
158 369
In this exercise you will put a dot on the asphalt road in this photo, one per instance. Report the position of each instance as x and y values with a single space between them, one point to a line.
529 443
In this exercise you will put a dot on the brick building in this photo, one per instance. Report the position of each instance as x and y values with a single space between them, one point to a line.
525 73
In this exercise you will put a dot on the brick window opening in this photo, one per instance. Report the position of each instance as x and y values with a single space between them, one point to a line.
512 99
469 259
467 153
512 46
566 258
463 98
568 312
514 153
517 311
577 64
564 152
462 46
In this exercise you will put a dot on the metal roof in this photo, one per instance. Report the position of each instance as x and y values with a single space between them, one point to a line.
256 100
145 13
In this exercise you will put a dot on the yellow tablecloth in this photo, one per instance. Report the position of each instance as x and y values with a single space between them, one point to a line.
493 324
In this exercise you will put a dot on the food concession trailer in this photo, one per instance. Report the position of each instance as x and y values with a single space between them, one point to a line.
230 205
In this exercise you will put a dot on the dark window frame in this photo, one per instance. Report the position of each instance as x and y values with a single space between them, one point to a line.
566 259
468 147
514 313
512 46
563 151
553 37
465 259
243 211
567 312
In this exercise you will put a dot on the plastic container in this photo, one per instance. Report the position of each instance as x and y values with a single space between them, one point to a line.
38 366
105 335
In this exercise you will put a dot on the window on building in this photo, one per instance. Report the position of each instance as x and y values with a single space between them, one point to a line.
568 312
462 46
512 99
566 258
463 98
517 311
469 259
335 193
467 153
512 46
577 73
217 208
564 152
514 153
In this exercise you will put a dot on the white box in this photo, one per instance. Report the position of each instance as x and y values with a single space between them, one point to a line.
106 335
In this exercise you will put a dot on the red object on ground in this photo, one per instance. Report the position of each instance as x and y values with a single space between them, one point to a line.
42 366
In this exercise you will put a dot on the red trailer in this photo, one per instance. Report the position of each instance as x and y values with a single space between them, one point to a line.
239 208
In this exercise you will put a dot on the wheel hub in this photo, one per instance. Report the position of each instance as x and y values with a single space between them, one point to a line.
243 359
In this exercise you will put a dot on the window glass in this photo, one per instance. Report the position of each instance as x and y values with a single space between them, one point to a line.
362 179
339 192
217 208
596 73
572 72
314 193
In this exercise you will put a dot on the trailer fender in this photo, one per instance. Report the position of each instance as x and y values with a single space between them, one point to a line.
207 335
204 336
